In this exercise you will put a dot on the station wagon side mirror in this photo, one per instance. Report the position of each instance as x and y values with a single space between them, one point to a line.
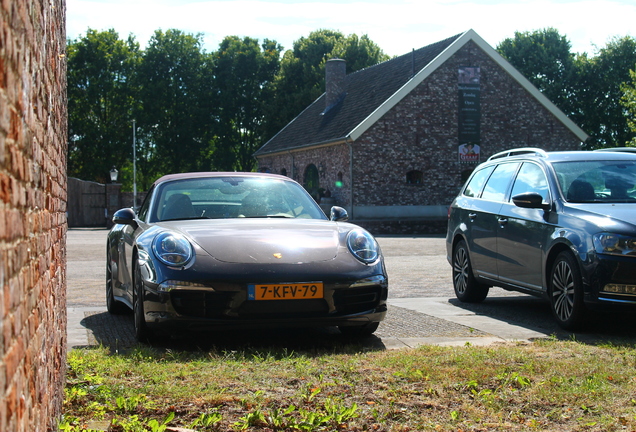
125 216
338 214
531 200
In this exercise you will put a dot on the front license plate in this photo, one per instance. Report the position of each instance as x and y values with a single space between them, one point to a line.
285 291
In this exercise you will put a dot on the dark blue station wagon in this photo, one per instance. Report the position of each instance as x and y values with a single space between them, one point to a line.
561 225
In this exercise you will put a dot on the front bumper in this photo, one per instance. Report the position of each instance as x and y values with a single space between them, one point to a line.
613 281
227 306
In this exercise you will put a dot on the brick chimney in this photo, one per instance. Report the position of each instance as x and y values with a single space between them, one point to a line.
335 73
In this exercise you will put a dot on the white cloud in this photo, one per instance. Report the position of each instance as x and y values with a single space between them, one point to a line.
396 26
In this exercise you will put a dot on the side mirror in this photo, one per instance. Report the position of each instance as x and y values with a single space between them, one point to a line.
531 200
338 214
125 216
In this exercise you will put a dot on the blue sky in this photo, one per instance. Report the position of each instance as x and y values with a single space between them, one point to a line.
397 26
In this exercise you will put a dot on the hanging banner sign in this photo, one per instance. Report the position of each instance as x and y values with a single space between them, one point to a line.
469 114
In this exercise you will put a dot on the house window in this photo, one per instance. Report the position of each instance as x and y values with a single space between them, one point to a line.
312 179
414 177
339 182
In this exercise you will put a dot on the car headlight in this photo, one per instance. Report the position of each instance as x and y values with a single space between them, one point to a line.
614 244
363 246
172 249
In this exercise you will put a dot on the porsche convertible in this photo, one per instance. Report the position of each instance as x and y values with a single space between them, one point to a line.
213 251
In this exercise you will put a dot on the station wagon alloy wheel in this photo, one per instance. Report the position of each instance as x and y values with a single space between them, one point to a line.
566 296
467 289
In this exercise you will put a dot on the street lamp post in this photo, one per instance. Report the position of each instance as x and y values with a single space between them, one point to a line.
113 174
134 166
112 196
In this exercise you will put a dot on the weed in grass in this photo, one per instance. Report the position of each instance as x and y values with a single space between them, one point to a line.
254 418
207 421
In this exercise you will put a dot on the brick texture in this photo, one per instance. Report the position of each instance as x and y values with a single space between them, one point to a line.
421 133
32 214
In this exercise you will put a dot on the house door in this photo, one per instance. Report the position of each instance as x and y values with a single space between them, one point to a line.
311 181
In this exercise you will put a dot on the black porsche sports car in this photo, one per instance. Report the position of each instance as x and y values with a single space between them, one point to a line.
210 251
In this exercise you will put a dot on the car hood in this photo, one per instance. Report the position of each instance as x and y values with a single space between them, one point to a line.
607 216
259 241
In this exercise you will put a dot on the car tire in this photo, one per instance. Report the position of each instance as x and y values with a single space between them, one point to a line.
142 332
359 331
112 306
566 292
467 289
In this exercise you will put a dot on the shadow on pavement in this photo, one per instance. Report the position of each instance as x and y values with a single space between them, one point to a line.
116 332
617 327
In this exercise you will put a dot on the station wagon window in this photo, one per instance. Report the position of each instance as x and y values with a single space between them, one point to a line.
497 185
531 178
474 186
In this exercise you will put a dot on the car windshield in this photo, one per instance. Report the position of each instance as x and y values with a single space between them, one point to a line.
233 197
609 181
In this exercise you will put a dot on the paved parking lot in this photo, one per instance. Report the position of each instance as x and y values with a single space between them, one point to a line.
422 305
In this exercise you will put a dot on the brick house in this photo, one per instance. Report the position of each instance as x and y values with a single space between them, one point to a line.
393 143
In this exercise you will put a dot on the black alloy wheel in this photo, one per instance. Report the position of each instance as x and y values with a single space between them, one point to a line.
113 306
467 289
566 292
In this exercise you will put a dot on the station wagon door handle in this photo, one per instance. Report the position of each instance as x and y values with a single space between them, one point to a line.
502 221
472 216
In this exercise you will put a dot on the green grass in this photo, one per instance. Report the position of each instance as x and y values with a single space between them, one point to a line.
546 385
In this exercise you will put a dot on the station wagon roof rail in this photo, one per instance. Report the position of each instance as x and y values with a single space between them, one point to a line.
518 152
618 149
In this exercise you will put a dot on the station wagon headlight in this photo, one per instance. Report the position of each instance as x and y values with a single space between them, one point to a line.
363 246
172 249
614 244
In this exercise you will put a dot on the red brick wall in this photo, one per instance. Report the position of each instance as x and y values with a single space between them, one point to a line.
330 161
421 133
32 214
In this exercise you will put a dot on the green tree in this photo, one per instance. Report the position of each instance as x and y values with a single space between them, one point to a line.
101 98
301 78
586 88
599 91
176 117
544 57
243 74
628 101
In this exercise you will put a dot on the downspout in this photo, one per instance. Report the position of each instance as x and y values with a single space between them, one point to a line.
349 141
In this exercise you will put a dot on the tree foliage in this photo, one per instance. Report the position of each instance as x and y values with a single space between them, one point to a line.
544 57
176 116
101 97
243 73
599 93
628 101
586 88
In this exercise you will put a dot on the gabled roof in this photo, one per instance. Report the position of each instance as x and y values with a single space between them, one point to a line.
372 92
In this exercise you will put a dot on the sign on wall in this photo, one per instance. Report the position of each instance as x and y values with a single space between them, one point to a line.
469 114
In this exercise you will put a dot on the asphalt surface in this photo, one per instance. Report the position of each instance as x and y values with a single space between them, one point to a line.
422 307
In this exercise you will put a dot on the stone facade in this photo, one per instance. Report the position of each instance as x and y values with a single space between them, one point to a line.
420 133
32 214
